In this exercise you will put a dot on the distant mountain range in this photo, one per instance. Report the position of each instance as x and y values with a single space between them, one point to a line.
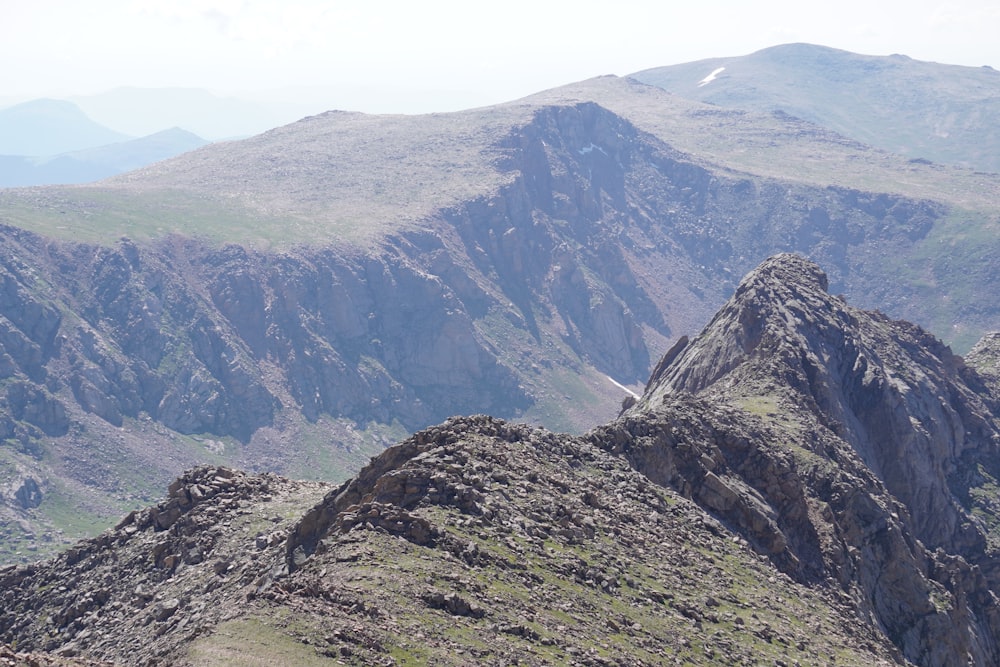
92 164
142 111
924 111
51 127
943 113
46 142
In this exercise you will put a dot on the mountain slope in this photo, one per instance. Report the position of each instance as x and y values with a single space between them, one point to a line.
474 541
737 513
922 110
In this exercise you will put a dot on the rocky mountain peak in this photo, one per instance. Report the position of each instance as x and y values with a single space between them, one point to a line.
985 358
902 404
786 269
861 402
780 304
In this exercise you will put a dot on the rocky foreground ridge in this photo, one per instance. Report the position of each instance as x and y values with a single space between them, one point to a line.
803 483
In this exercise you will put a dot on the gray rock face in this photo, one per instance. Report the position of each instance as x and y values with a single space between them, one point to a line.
891 450
28 494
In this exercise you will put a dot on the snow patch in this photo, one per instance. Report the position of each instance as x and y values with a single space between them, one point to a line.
711 77
623 387
590 148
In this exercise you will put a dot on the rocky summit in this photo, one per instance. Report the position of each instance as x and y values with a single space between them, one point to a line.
803 483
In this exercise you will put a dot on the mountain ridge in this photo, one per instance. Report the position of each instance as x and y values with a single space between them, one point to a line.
922 110
92 164
917 421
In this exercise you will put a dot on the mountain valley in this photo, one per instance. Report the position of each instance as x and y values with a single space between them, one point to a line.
174 316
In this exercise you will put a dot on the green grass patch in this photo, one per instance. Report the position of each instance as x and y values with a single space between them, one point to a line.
63 509
332 450
946 272
762 406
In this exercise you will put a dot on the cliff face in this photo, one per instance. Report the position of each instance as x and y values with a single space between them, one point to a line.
183 334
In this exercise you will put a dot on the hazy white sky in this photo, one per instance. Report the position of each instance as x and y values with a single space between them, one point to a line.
497 50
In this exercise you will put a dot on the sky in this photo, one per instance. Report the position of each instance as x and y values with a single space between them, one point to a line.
443 53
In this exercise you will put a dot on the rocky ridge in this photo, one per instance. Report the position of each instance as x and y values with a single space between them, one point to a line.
886 481
478 540
746 509
199 553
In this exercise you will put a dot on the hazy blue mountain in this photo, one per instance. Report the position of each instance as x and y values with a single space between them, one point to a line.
51 127
93 164
142 111
944 113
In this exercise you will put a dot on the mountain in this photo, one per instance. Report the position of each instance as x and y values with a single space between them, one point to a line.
295 301
50 127
802 482
922 110
890 450
93 164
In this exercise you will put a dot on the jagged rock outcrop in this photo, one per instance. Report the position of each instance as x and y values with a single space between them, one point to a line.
985 358
869 457
160 578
